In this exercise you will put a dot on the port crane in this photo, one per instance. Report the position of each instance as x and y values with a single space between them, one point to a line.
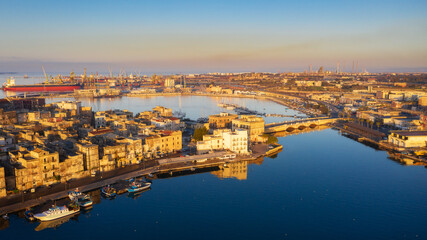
45 75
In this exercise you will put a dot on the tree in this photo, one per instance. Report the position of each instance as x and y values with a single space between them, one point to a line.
272 140
199 133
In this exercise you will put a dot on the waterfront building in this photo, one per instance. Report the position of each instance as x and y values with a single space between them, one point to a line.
34 168
214 89
169 83
115 152
236 141
210 143
2 183
90 155
164 141
71 167
255 126
162 111
133 148
408 139
222 120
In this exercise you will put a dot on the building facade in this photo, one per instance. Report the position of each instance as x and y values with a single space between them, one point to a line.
2 183
255 126
408 139
222 120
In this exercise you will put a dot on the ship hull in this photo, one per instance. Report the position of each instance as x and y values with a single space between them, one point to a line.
41 88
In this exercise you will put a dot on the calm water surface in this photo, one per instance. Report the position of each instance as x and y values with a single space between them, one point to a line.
321 186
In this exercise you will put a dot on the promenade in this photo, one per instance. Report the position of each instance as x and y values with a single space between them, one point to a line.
22 201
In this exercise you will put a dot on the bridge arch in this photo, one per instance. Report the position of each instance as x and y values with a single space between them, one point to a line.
301 127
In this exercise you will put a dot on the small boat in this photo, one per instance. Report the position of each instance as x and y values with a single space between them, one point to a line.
81 199
74 194
5 217
136 187
56 212
84 201
29 215
109 191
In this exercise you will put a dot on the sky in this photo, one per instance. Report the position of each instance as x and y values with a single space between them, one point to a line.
212 36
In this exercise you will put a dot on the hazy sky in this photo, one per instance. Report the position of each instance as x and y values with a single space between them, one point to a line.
201 36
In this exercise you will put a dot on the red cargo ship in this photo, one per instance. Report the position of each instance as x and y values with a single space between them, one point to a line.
42 87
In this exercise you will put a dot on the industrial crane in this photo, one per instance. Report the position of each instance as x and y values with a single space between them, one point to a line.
45 75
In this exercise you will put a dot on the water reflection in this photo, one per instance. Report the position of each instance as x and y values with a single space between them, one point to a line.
236 169
56 223
302 131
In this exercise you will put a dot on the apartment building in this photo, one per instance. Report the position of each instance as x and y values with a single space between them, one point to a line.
164 141
162 111
90 154
72 167
34 168
255 126
236 141
222 120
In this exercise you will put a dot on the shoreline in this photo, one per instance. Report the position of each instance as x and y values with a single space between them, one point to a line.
96 183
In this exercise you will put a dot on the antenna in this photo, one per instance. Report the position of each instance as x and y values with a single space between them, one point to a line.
352 70
357 66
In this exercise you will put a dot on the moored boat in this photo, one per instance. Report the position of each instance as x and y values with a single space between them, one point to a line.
54 223
109 191
29 215
136 187
56 212
74 194
83 200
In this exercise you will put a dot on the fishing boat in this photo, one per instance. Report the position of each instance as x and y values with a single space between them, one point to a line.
74 194
83 200
109 191
138 186
29 215
56 212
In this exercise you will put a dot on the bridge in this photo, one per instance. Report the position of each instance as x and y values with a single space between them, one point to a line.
298 124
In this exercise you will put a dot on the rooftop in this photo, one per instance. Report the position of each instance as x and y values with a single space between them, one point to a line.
411 133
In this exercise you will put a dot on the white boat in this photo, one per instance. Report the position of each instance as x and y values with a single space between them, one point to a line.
56 213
